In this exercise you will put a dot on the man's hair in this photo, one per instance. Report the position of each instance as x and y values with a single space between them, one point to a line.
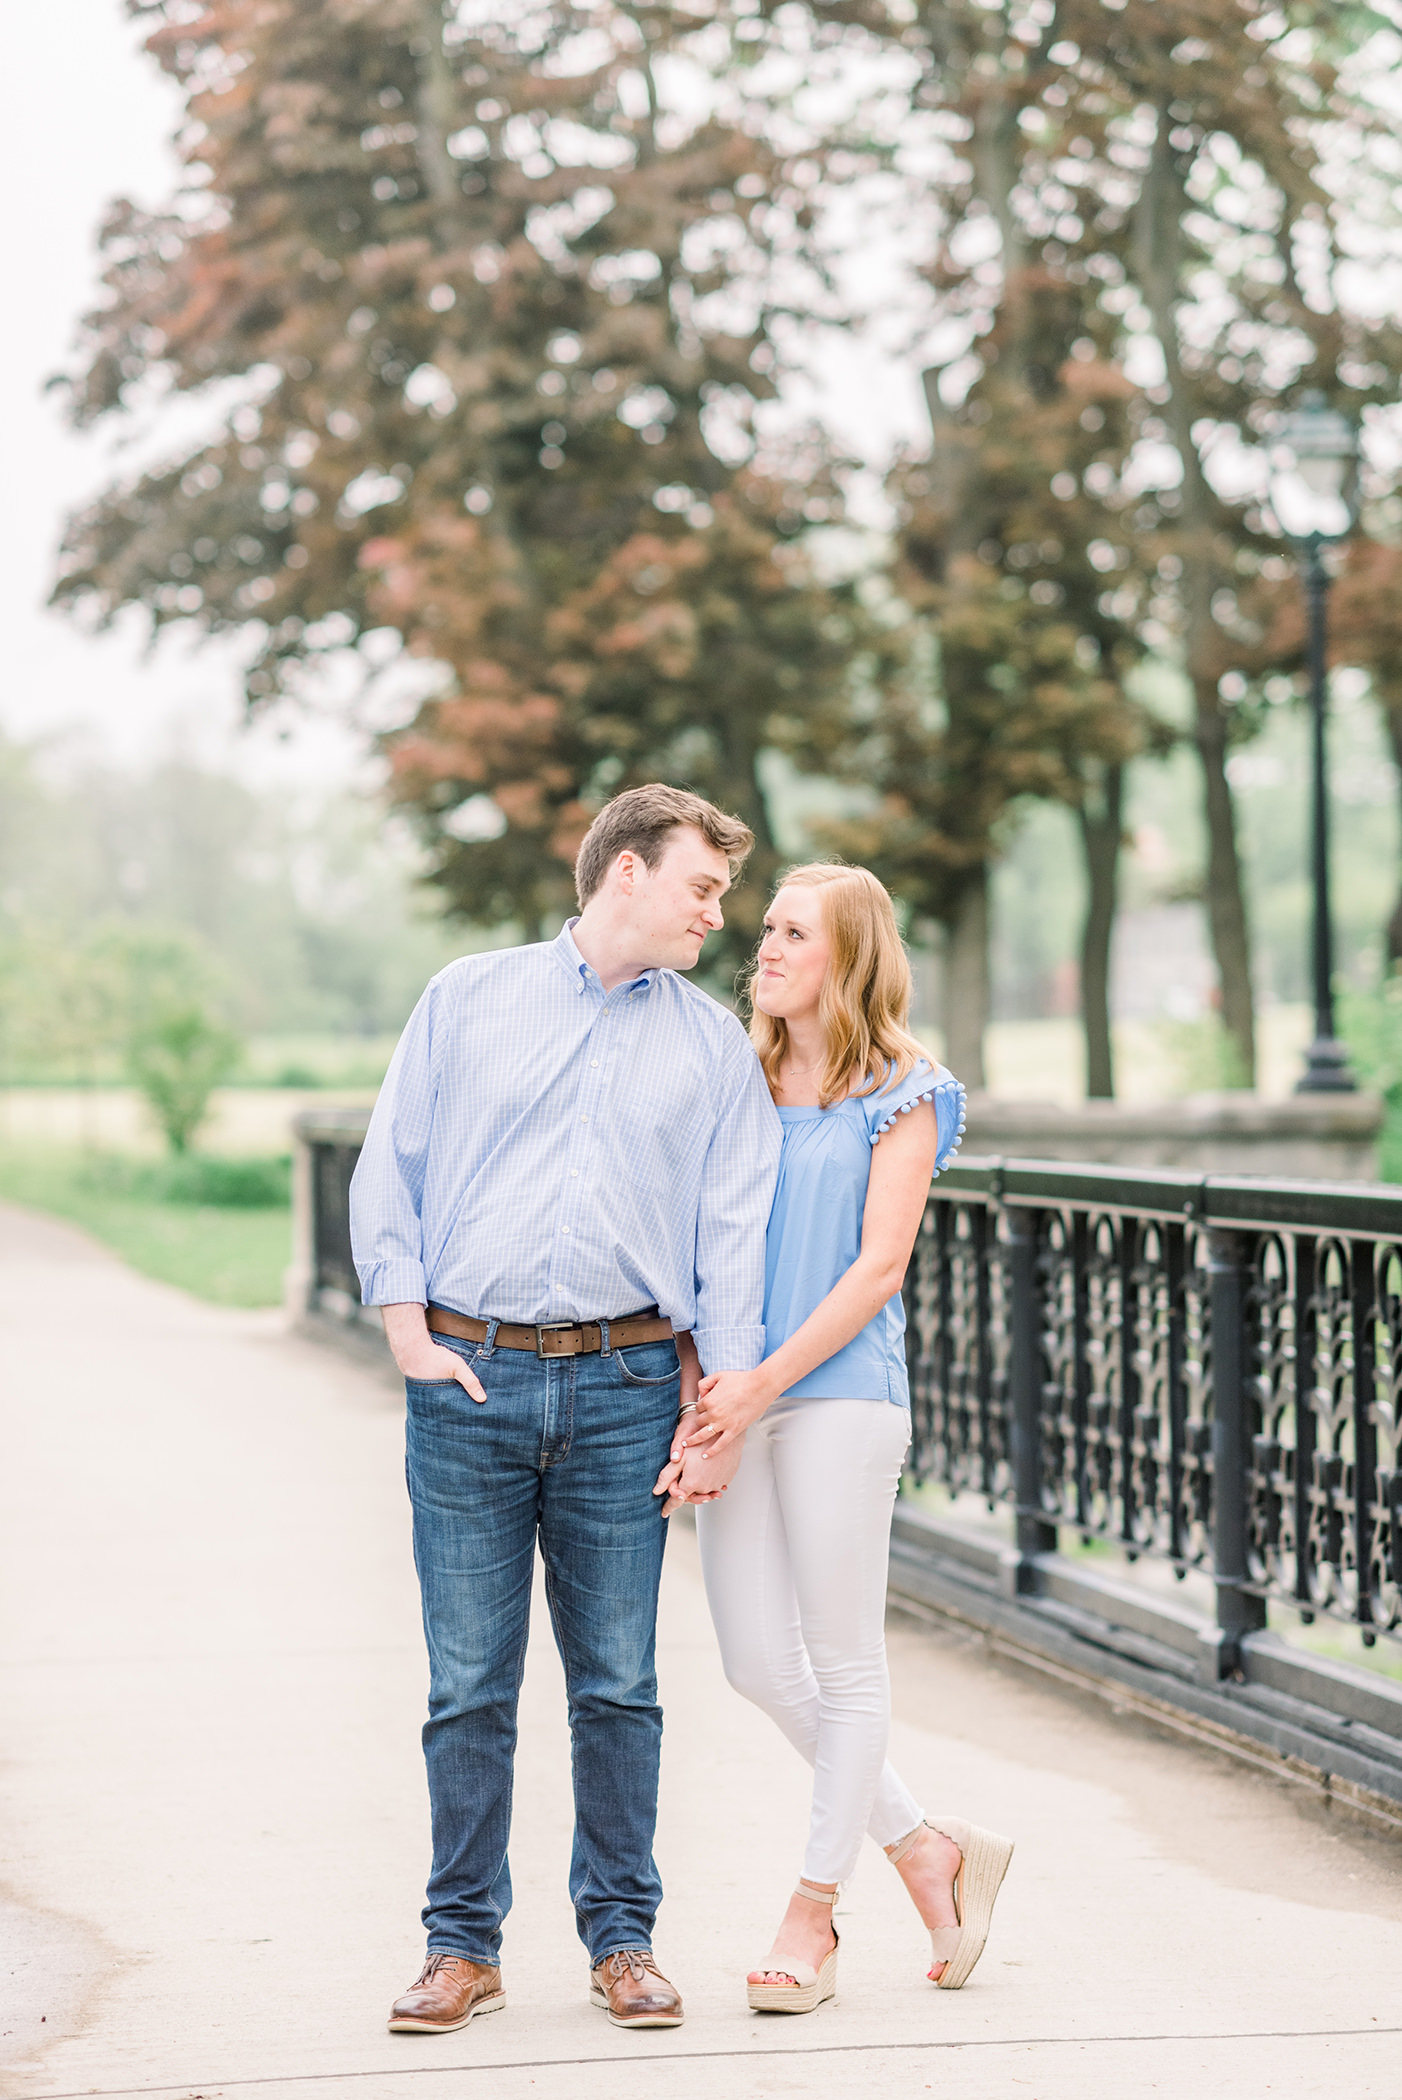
642 820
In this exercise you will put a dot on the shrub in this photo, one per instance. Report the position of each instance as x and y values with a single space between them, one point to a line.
227 1184
196 1178
1371 1024
177 1058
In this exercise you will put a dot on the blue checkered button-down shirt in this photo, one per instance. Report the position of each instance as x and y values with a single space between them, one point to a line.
543 1150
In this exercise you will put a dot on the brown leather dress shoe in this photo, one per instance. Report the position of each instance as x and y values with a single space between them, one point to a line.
633 1991
451 1991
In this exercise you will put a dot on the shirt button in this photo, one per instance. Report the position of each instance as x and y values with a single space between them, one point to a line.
574 1173
564 1228
593 1060
584 1119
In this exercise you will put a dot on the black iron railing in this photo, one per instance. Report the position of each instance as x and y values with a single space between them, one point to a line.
1203 1370
1207 1371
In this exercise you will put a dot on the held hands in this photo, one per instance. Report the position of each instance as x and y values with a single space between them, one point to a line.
708 1444
729 1402
689 1477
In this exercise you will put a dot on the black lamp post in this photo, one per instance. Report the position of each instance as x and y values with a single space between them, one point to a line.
1313 484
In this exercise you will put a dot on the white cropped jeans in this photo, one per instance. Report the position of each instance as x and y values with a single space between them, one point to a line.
794 1557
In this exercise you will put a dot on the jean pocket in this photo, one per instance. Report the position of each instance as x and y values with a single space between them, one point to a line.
652 1363
428 1392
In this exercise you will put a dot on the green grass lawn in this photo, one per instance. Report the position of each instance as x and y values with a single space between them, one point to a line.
231 1253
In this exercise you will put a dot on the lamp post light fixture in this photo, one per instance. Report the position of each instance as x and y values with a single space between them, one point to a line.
1314 476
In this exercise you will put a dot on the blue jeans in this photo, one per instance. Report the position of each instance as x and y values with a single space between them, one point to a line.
567 1451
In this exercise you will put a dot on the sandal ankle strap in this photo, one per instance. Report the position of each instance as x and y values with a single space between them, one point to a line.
955 1828
828 1896
903 1848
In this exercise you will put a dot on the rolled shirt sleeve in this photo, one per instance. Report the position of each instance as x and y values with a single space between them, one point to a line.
387 1188
737 1191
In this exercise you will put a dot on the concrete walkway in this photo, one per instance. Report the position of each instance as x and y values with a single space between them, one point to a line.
213 1822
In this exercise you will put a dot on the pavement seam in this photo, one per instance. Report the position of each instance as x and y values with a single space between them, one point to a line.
693 2056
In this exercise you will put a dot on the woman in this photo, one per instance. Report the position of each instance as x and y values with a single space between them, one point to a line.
794 1551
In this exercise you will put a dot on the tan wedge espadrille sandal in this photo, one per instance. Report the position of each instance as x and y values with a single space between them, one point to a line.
983 1861
810 1986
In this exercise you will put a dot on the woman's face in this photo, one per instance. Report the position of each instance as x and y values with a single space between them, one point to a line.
793 956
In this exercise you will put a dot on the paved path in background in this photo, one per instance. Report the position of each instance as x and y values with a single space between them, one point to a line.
213 1822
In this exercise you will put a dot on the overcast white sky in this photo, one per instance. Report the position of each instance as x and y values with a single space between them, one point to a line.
98 128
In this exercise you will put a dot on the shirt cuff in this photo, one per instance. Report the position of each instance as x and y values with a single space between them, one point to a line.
399 1282
729 1348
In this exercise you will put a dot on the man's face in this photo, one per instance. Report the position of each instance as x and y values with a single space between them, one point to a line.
671 908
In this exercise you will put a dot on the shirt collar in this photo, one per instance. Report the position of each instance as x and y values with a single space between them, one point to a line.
579 971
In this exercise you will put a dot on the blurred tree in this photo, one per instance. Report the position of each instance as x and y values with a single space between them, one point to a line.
177 1058
1021 544
1037 592
1162 164
306 908
1020 687
60 1013
159 988
119 998
1366 629
487 297
1233 242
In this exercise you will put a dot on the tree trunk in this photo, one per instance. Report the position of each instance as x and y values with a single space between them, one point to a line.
966 982
1101 816
439 113
1392 936
737 786
1226 899
1162 205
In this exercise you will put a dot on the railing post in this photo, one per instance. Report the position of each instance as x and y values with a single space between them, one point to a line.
323 1283
1034 1534
1239 1611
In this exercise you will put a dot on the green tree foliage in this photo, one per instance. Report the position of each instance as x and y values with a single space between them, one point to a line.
1153 178
177 1056
488 299
1366 629
1036 592
484 306
304 912
121 997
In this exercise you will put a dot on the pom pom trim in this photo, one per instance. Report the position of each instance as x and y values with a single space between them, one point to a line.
928 1093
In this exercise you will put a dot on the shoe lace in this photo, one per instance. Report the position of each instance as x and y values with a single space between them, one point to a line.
635 1959
434 1963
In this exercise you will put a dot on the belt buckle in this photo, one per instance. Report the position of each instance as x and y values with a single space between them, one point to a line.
544 1327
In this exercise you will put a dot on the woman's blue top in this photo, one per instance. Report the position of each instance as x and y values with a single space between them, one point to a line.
815 1229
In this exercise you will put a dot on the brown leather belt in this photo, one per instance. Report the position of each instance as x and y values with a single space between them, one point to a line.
555 1337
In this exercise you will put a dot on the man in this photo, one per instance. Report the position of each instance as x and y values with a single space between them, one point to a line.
560 1208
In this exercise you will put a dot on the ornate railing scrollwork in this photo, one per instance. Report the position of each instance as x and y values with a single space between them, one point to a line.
1127 1386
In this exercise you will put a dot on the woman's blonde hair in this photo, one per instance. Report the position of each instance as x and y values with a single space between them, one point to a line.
865 1000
